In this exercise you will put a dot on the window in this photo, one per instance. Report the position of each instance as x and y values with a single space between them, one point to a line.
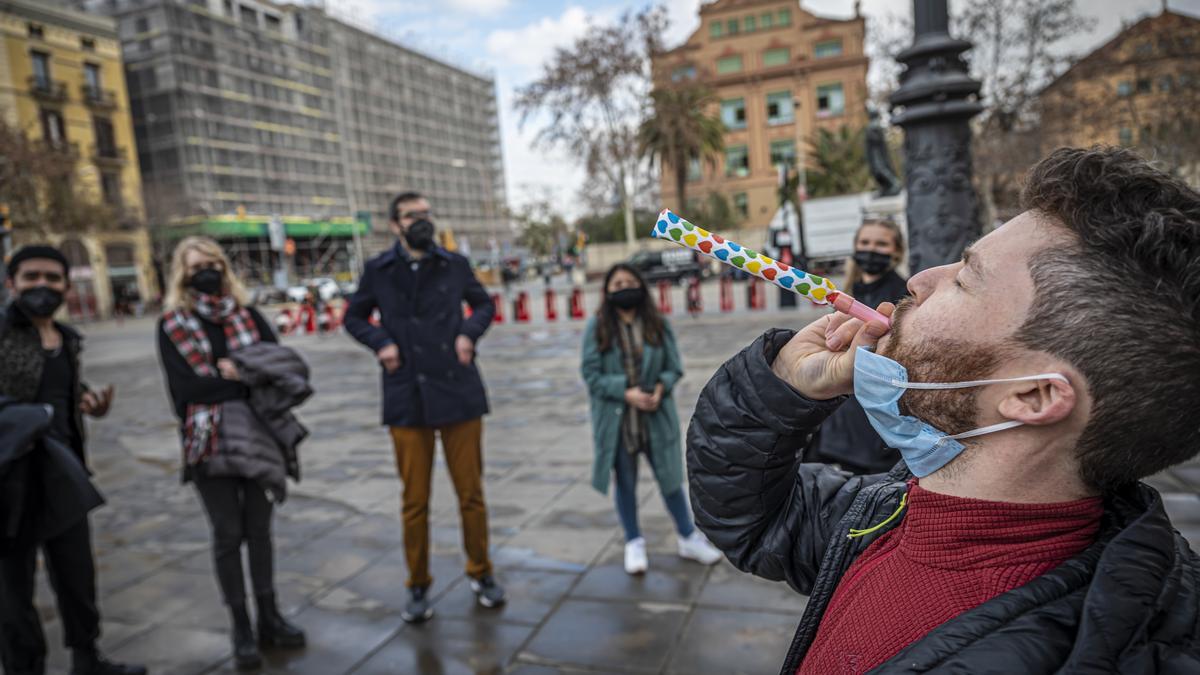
733 113
776 57
53 131
828 49
729 64
41 69
1126 136
783 152
737 161
1164 83
1144 86
1144 49
785 17
274 23
741 204
716 29
682 73
767 21
695 172
1124 88
248 16
105 142
228 8
732 27
110 186
35 31
830 100
779 107
749 24
91 76
87 44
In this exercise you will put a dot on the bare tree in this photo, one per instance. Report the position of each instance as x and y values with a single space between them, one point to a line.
592 97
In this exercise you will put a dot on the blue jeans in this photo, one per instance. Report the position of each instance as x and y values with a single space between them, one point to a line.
625 493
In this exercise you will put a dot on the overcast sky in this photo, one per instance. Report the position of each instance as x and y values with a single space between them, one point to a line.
512 38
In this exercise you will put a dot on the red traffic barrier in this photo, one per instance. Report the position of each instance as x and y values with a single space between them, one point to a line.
551 310
758 297
285 322
664 297
695 304
521 308
726 294
576 303
499 303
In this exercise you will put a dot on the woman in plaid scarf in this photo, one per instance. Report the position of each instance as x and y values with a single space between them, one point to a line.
205 319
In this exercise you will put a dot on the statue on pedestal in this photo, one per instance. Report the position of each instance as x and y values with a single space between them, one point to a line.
878 157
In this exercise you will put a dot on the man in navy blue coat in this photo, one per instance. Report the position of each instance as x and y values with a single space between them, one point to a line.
430 385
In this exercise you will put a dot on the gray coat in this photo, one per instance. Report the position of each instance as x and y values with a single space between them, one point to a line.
259 436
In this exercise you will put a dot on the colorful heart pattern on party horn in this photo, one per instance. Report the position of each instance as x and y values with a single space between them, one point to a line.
673 228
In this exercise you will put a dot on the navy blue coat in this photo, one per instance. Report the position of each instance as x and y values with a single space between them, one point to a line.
421 312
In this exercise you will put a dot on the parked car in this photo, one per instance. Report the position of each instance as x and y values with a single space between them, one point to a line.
267 295
671 264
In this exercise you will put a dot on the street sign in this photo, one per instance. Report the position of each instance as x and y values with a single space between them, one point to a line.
277 233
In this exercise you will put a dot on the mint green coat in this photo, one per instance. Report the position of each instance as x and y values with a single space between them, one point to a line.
606 383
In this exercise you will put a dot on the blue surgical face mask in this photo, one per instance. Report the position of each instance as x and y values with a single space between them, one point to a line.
879 382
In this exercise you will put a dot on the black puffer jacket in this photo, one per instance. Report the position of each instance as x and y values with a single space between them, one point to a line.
1128 604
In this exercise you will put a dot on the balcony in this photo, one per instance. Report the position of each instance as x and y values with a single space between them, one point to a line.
47 89
64 147
99 99
112 156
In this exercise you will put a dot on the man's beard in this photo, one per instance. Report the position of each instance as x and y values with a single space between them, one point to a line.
936 359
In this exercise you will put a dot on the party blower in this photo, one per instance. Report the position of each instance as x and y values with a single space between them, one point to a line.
817 289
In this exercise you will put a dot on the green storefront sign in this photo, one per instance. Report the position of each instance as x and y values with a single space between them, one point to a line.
251 227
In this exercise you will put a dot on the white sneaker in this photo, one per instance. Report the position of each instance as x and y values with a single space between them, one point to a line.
697 547
635 556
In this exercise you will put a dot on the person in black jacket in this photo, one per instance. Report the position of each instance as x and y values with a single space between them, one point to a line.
1072 333
431 385
205 319
39 363
846 437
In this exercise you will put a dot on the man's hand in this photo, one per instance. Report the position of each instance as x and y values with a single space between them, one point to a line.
228 369
96 403
639 399
465 348
819 361
389 356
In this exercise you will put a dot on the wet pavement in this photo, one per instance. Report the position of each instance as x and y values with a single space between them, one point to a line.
555 541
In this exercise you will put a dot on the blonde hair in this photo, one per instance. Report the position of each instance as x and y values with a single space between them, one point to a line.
178 294
853 272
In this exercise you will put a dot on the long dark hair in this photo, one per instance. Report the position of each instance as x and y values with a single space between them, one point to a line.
606 315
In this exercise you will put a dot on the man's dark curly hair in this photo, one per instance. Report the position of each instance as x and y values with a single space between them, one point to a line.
1122 305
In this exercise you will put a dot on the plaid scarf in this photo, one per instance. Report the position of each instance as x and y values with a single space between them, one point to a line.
202 420
634 433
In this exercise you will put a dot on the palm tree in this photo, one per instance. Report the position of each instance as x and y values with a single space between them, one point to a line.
838 163
680 130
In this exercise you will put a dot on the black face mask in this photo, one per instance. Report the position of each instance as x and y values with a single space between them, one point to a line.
419 235
873 262
207 281
627 298
40 301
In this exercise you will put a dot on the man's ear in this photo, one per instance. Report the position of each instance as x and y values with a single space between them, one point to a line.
1039 402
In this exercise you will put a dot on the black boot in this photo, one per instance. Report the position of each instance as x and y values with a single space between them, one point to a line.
273 629
245 650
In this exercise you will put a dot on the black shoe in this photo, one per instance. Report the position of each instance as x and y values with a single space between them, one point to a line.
245 649
91 663
417 609
487 591
273 629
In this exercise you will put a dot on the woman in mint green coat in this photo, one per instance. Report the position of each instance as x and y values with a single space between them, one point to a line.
631 364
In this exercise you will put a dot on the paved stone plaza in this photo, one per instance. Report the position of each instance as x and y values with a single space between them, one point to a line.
556 542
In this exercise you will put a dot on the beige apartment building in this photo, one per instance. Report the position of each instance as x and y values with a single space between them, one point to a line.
780 72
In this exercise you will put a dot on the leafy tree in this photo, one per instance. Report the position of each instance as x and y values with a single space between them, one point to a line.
838 163
680 130
610 227
591 98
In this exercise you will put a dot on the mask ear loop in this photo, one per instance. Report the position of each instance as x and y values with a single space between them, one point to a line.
978 383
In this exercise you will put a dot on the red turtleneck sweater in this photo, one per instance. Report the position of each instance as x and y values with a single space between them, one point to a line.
949 555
